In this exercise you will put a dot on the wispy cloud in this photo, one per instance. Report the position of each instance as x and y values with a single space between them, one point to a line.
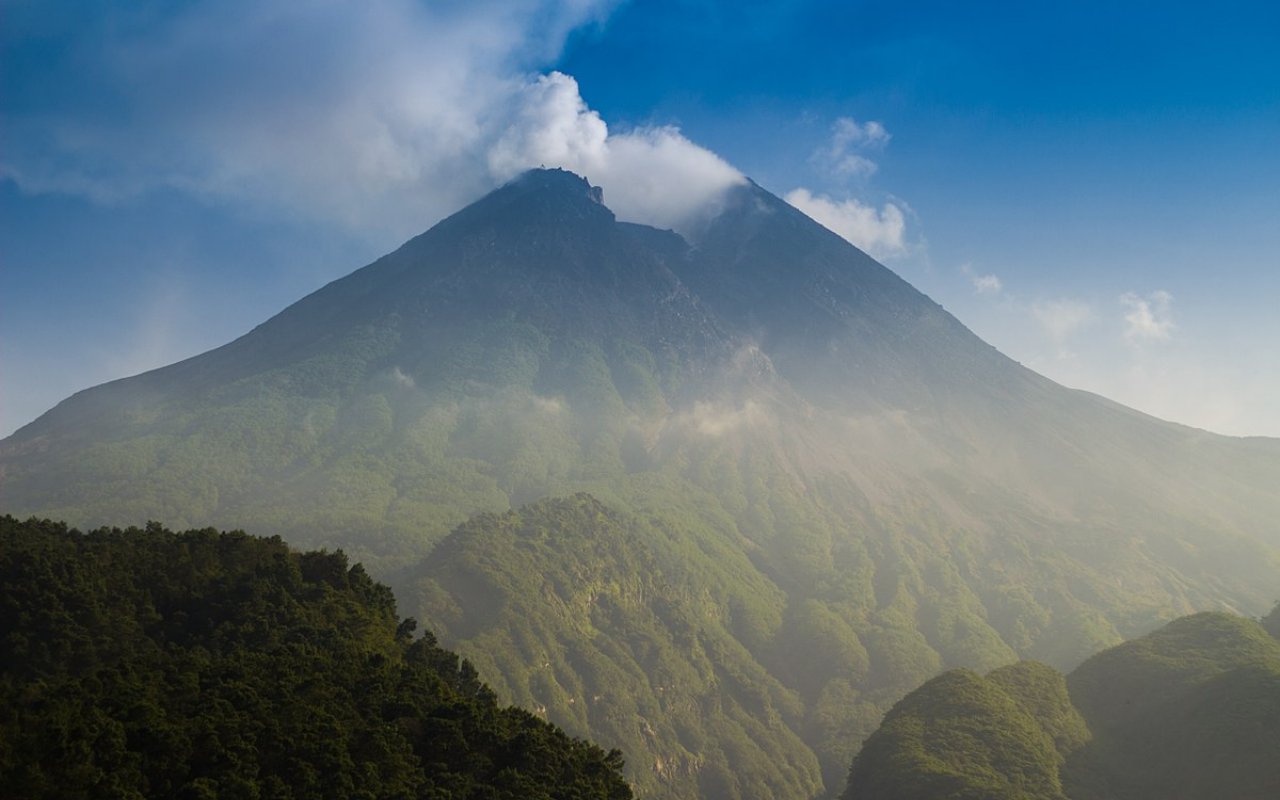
379 116
402 379
714 420
1148 319
846 153
982 284
881 232
843 160
987 284
1062 318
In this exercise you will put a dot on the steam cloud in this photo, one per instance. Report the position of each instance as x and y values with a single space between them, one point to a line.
651 175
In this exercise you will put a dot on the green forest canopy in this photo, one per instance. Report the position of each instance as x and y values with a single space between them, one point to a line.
148 663
1191 711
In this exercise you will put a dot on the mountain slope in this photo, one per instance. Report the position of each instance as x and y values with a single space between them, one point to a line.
896 495
343 409
630 627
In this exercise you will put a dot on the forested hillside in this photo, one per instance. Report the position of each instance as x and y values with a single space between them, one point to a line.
147 663
1190 712
635 628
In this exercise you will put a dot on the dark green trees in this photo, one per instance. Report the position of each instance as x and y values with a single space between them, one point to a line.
965 737
147 663
1191 711
621 624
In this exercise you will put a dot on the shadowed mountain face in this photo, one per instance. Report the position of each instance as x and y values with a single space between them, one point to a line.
843 488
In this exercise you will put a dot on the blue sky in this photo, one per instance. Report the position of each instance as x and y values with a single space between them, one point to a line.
1090 186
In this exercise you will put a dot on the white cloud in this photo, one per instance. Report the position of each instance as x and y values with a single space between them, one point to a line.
870 134
1148 319
987 284
381 116
402 379
982 284
842 156
1062 318
880 232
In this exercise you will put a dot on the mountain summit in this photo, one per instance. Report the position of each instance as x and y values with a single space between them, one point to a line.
811 488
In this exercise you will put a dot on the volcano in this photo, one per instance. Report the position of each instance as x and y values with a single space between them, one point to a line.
718 499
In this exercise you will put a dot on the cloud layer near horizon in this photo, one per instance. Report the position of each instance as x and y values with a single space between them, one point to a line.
381 117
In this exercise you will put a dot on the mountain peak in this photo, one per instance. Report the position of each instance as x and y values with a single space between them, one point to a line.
538 198
557 180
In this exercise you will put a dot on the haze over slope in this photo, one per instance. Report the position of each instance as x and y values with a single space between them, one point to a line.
838 467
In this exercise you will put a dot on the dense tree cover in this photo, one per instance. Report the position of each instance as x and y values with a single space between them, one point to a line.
958 737
1191 711
147 663
589 619
1041 691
